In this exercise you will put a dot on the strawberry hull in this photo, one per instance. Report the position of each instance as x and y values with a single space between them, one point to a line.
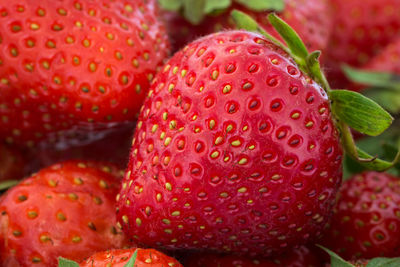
235 151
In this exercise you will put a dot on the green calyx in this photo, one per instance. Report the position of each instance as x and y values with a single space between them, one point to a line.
195 11
350 109
337 261
62 262
383 87
4 185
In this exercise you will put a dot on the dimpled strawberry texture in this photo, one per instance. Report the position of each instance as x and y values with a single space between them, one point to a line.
310 18
120 257
366 221
74 64
362 28
64 210
234 150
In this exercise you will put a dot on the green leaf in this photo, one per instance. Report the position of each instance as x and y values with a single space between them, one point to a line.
359 112
263 5
194 10
245 22
211 5
387 98
4 185
132 261
171 5
336 260
371 78
62 262
297 47
384 262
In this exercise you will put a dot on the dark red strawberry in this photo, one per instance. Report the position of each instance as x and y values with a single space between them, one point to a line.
119 258
362 28
366 221
74 65
311 19
64 210
235 150
302 257
12 163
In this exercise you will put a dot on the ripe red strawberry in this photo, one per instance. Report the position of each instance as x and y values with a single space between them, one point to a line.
362 29
388 60
311 19
302 257
118 258
234 150
74 65
12 163
366 221
64 210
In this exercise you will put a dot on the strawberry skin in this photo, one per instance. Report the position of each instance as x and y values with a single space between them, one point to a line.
120 257
74 65
63 210
388 60
366 221
234 150
362 28
311 19
301 257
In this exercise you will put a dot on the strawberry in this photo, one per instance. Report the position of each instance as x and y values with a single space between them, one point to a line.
74 65
388 60
12 163
118 258
302 257
234 150
366 221
63 210
311 19
362 29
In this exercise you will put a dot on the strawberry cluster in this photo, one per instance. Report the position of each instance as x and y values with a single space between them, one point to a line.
199 133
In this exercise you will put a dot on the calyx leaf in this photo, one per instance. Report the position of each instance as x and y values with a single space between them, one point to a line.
195 11
4 185
63 262
298 49
263 5
384 262
359 112
373 78
171 5
336 260
132 260
384 88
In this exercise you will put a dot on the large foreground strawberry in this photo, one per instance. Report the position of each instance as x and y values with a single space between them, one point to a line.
366 222
235 150
74 65
362 28
63 210
311 19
